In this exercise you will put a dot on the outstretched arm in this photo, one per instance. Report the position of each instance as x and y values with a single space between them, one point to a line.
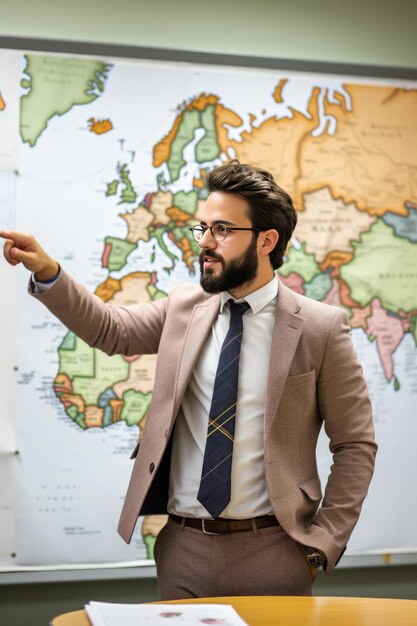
114 329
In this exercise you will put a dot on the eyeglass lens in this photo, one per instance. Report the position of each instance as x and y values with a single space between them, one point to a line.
219 232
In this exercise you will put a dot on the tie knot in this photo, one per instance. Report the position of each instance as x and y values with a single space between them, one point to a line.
238 308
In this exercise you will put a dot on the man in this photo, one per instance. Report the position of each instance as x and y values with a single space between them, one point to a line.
242 389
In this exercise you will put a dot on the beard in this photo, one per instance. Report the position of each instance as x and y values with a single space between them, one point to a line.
235 273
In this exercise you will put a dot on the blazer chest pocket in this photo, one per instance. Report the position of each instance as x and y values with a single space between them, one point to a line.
300 379
299 398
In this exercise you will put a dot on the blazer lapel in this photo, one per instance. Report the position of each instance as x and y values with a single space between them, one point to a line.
285 338
199 327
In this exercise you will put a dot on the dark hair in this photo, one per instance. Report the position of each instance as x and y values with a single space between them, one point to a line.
270 206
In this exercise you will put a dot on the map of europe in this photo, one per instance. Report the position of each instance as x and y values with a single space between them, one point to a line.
344 150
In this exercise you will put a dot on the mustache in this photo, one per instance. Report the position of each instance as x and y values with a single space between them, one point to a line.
210 254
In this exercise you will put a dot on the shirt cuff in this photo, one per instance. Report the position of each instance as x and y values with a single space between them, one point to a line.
39 286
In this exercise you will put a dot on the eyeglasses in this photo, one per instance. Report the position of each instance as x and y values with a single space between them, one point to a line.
219 232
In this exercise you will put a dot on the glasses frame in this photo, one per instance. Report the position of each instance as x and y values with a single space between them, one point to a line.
228 230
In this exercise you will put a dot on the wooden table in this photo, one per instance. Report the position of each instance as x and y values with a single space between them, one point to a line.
298 611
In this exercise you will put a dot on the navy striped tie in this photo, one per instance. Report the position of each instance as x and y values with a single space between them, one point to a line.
214 491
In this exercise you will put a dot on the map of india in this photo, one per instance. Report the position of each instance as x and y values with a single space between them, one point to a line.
115 158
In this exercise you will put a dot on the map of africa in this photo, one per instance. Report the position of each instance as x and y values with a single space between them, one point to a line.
112 166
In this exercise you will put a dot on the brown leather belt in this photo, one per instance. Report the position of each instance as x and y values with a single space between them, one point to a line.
225 526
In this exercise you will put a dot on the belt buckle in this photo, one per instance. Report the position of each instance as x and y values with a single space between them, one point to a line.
203 527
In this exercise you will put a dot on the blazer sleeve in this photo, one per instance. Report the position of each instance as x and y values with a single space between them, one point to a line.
346 410
129 330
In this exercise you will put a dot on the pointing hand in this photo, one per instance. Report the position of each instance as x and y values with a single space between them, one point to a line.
22 248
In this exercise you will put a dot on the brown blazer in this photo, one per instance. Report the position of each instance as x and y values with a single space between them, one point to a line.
314 378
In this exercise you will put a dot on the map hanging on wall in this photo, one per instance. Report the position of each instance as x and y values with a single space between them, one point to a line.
112 158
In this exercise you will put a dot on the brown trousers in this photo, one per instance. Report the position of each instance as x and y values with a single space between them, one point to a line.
192 564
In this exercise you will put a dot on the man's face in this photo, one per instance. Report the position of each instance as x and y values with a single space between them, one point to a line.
232 263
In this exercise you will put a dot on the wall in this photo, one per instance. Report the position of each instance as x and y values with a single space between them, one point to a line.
367 32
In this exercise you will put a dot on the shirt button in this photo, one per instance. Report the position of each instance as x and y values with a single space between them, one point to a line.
151 467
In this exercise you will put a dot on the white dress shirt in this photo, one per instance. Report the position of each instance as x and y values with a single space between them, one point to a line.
249 497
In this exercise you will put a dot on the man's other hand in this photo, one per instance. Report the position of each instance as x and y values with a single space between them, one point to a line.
22 248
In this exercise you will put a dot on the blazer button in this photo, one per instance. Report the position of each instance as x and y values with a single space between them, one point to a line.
151 467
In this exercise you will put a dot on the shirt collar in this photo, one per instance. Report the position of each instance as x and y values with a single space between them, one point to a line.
258 299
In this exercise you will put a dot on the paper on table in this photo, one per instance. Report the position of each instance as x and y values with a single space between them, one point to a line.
107 614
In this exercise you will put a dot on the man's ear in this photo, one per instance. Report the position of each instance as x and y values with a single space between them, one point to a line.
269 240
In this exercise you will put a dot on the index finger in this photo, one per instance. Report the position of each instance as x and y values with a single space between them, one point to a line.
14 236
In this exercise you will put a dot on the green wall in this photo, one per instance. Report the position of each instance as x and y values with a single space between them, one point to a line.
376 32
367 32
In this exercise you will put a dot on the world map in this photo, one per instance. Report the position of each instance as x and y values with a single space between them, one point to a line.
344 150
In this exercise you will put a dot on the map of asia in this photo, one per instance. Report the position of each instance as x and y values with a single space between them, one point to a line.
111 159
